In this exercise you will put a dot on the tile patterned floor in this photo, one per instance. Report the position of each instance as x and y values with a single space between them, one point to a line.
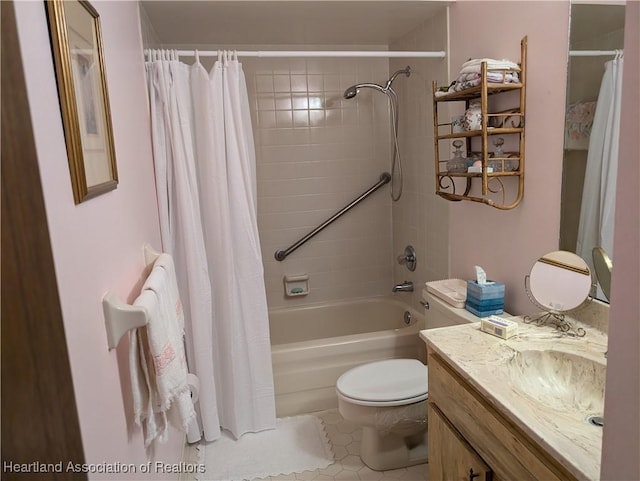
345 440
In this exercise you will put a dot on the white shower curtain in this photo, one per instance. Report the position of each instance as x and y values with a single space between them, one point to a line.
205 179
597 211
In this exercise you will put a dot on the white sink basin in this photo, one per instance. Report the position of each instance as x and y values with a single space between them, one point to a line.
560 380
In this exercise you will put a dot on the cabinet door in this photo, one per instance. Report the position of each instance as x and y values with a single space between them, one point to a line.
450 456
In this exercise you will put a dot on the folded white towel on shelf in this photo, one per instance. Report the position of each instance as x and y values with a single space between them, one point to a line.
494 77
469 80
157 357
474 65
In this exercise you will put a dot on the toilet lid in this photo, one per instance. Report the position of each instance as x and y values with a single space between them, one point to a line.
385 381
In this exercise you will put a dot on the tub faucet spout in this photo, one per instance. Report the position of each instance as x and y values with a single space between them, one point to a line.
406 286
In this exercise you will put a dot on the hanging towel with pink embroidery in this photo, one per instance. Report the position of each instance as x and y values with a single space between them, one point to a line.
578 123
157 357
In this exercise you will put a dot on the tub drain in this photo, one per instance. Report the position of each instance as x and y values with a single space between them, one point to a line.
407 317
596 421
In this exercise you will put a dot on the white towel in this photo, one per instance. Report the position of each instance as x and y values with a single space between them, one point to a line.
146 401
157 357
171 375
165 284
473 65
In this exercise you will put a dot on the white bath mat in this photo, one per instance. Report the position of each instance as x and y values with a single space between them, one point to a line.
297 444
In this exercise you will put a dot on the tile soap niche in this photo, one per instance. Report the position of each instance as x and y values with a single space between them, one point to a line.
296 285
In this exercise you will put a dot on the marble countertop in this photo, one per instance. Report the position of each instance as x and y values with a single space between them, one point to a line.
559 428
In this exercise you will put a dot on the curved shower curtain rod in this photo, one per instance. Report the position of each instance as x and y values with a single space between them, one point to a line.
317 53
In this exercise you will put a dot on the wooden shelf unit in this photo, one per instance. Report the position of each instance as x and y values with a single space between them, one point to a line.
491 182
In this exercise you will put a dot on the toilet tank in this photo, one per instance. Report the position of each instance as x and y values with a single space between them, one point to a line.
441 314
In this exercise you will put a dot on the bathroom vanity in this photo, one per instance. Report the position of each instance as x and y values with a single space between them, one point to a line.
514 409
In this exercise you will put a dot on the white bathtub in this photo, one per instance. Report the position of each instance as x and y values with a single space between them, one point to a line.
312 346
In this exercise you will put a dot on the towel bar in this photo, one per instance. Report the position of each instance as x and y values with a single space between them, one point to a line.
119 317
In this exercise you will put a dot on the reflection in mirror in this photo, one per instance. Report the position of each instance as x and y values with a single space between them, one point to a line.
603 266
591 129
559 282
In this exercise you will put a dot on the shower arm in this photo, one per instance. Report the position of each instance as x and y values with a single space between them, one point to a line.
385 178
406 71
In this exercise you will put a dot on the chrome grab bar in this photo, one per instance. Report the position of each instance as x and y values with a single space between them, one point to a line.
385 178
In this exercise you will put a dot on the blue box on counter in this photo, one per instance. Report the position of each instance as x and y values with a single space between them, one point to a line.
485 299
484 312
495 290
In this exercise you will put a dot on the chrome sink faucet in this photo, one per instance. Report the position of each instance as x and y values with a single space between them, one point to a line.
406 286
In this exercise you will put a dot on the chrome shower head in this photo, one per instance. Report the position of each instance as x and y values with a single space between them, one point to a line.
352 91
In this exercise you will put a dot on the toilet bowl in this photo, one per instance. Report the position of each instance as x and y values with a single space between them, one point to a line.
389 400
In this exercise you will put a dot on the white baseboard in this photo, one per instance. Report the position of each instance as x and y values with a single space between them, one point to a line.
189 457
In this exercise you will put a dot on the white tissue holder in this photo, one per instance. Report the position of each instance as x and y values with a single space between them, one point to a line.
120 317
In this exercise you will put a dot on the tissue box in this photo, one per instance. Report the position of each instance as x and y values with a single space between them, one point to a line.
485 299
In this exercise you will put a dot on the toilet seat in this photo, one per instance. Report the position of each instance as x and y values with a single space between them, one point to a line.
392 382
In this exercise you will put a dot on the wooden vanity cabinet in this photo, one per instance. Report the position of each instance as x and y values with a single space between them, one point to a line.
454 459
467 432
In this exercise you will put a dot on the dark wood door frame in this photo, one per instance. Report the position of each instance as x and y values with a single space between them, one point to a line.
40 426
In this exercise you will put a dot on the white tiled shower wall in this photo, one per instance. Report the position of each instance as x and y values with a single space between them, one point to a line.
420 218
315 153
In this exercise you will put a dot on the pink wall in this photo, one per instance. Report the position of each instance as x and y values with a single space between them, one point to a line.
621 441
507 243
97 245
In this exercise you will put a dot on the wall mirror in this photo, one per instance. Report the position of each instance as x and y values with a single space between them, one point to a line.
595 64
559 282
603 266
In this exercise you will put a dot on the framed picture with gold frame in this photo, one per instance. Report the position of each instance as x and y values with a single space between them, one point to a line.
82 86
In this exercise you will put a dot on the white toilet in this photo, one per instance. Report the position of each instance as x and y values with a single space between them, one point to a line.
389 400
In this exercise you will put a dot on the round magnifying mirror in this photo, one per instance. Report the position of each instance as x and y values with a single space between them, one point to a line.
602 265
560 281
